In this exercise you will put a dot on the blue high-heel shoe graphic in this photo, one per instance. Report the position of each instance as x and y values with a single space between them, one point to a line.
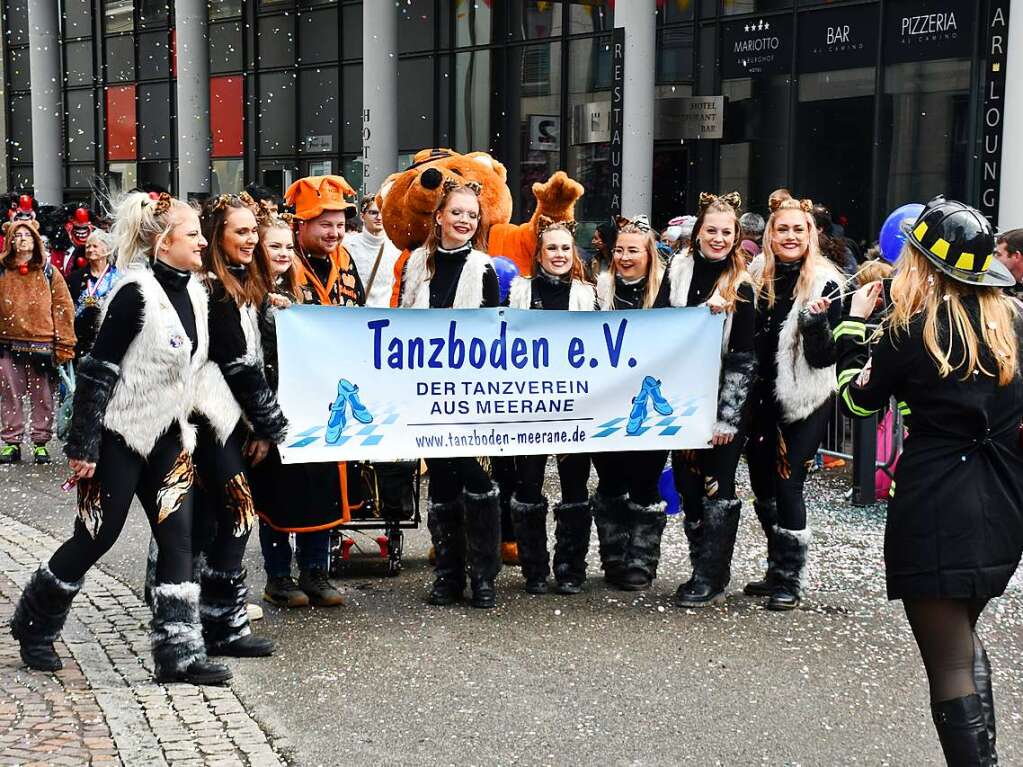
336 421
359 411
347 395
649 393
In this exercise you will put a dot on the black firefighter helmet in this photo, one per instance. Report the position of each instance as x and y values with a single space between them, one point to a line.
959 241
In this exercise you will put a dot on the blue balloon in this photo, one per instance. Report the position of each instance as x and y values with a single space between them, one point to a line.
892 237
666 486
506 272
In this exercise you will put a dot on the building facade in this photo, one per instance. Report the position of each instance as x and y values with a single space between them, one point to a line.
861 104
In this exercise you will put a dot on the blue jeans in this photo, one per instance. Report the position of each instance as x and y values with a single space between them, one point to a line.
312 550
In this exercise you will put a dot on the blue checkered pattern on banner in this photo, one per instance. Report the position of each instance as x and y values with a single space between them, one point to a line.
665 426
364 434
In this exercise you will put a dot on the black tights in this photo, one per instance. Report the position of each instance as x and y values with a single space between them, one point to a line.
944 632
162 481
226 512
573 472
635 472
450 476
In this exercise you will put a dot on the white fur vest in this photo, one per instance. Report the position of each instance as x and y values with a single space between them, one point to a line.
680 277
801 388
415 293
159 371
581 297
606 290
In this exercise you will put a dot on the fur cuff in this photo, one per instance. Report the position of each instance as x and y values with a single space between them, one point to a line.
520 509
43 607
222 607
789 557
493 492
257 400
93 389
738 374
579 507
177 636
818 343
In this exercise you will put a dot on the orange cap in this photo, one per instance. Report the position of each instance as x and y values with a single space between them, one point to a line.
313 195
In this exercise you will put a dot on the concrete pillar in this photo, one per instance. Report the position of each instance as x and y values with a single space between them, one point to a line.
638 19
1011 193
47 105
379 93
193 90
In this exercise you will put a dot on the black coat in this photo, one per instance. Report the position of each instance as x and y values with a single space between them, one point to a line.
955 521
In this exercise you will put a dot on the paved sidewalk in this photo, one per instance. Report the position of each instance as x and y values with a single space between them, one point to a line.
104 708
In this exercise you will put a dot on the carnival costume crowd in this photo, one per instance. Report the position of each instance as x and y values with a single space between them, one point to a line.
170 321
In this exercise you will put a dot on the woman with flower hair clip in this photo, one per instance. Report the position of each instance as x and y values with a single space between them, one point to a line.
558 283
131 437
712 273
464 516
792 402
627 507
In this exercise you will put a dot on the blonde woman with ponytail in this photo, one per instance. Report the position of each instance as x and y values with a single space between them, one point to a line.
949 348
712 273
792 402
131 437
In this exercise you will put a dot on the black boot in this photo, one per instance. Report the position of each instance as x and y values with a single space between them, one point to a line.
609 516
963 732
790 568
982 679
179 653
483 538
767 513
530 520
447 532
712 568
693 528
644 550
39 618
571 545
225 621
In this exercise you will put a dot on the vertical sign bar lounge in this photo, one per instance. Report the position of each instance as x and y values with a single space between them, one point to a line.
994 107
617 117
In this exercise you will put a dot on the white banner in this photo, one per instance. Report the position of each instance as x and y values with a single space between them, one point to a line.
387 384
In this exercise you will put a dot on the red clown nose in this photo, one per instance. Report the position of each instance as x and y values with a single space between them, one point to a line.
82 217
80 262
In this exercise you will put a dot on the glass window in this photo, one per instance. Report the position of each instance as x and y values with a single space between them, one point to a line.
317 40
754 152
472 24
674 54
589 115
154 56
155 174
277 113
77 18
118 16
154 117
80 176
79 62
925 123
675 11
351 32
228 176
267 4
276 42
351 112
472 101
21 177
226 47
153 14
225 9
121 124
318 117
122 176
19 69
415 95
120 59
16 22
351 169
80 112
21 129
589 16
415 26
534 19
734 7
835 146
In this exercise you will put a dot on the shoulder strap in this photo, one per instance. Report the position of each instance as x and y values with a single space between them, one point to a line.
373 271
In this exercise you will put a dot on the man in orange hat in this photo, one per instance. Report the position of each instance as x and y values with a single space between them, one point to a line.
327 274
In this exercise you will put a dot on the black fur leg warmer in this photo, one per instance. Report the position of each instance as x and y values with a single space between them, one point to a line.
789 559
222 608
571 540
43 607
720 526
257 400
609 516
483 533
738 372
644 551
94 386
176 630
530 521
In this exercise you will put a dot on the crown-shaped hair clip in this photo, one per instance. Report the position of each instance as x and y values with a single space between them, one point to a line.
451 185
639 224
732 198
544 223
804 205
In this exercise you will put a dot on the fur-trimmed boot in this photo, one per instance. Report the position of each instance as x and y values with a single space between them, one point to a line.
693 528
790 568
713 562
530 520
447 532
179 652
982 680
610 515
225 621
644 550
483 541
963 732
767 513
571 545
39 618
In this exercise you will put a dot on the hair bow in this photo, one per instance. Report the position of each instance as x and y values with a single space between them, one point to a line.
732 198
639 223
451 185
791 204
544 223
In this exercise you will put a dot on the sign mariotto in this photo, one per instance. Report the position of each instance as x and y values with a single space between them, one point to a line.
756 47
